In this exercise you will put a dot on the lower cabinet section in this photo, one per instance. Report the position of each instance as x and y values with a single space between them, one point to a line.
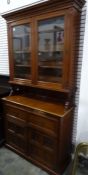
41 137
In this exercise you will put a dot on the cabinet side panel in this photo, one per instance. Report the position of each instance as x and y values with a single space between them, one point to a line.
65 140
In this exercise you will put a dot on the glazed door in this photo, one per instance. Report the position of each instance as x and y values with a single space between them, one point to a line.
21 50
51 37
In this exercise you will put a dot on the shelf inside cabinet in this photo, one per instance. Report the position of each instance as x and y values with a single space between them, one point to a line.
22 65
23 76
58 29
60 48
21 35
50 79
56 48
51 62
50 67
22 51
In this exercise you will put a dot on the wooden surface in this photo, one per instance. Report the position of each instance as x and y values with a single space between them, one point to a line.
48 107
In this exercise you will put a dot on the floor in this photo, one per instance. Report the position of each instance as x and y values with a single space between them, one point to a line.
13 164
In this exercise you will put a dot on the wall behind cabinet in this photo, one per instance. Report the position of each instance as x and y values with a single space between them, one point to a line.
82 127
4 65
16 4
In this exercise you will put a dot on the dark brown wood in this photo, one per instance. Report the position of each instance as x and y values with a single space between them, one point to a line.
34 52
39 113
37 131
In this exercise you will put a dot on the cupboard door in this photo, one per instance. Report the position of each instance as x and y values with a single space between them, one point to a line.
50 49
16 134
42 148
21 41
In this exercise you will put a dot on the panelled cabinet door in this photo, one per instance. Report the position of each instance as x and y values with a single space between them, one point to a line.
21 50
42 147
16 134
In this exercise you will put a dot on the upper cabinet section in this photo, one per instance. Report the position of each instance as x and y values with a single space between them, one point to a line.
42 43
38 51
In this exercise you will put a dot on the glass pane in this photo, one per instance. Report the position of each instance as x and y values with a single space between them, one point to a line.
22 51
50 49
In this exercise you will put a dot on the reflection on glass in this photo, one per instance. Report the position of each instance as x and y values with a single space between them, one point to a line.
21 49
50 49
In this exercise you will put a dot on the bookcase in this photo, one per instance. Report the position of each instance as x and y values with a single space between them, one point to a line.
39 112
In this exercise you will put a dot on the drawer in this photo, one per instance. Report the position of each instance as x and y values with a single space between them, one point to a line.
15 111
44 122
15 127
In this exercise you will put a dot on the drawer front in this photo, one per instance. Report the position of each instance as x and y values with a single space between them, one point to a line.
17 112
15 128
44 122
